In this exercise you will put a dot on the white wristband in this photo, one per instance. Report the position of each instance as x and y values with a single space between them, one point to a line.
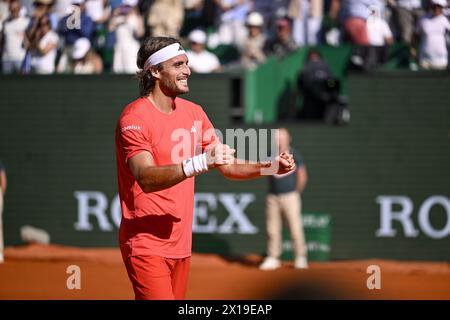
195 165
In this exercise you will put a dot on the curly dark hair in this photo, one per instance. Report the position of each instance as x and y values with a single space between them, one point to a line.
148 47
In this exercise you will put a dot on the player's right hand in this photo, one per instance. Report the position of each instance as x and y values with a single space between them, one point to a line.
219 155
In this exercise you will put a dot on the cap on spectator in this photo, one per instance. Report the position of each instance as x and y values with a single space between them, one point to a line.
255 19
442 3
80 48
77 1
46 2
130 3
197 36
283 22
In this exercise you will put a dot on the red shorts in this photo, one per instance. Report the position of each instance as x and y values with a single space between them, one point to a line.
158 278
357 30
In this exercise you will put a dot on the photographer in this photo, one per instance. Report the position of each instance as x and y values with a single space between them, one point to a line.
320 90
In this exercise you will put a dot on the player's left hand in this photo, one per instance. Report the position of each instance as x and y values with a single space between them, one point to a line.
286 163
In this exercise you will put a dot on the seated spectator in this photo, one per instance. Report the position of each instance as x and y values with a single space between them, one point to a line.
201 60
128 26
282 44
75 25
165 18
43 48
432 30
320 90
307 19
13 35
252 51
84 59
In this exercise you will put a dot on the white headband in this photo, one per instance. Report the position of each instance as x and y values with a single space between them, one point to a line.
164 54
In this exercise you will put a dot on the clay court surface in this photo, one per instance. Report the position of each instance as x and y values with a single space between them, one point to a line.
39 272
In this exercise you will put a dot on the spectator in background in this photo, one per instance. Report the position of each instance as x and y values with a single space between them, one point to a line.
42 47
282 44
231 19
128 26
252 50
70 30
353 14
307 20
84 59
406 14
284 198
43 8
201 60
165 18
380 38
13 35
3 184
432 30
98 10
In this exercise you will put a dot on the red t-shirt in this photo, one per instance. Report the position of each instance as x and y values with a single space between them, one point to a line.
158 223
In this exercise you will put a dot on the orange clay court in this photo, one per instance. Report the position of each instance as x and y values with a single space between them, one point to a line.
39 272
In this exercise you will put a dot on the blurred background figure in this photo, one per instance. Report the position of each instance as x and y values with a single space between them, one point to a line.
353 15
380 38
252 50
406 14
43 47
3 184
284 199
75 25
165 18
231 17
307 19
84 59
283 43
44 8
320 91
12 38
431 32
201 60
4 12
128 26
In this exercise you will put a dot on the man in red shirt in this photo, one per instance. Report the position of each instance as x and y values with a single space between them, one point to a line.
162 142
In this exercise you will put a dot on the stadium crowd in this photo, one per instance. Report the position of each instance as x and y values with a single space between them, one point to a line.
95 36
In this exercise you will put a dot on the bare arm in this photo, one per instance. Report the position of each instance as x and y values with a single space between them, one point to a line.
302 178
251 170
153 178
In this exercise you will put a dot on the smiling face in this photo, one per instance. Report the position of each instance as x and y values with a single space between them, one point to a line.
173 76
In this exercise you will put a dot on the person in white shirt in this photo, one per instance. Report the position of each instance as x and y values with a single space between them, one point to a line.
128 25
378 29
201 60
432 30
43 48
13 35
